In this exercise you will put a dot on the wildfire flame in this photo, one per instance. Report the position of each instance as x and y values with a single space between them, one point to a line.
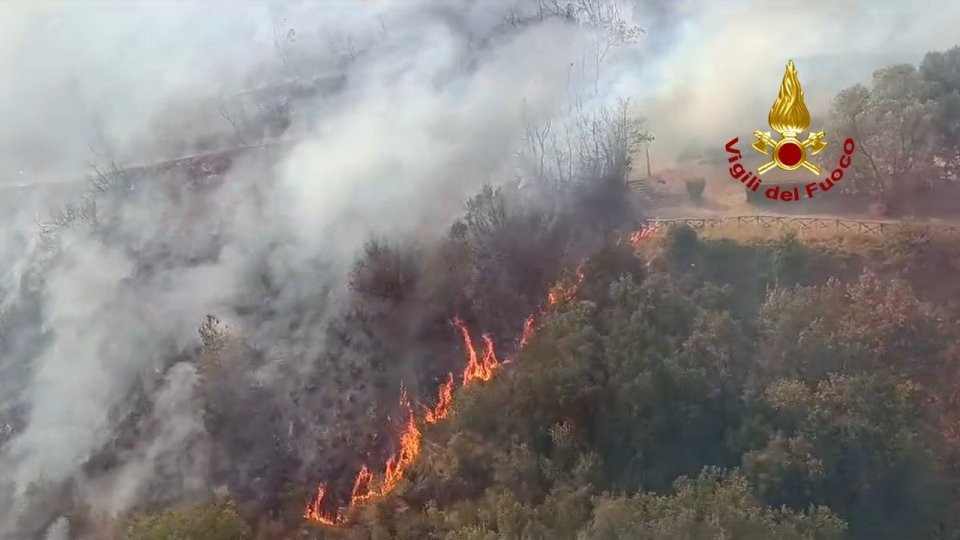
789 115
444 402
477 369
640 235
562 292
364 488
527 331
409 450
314 512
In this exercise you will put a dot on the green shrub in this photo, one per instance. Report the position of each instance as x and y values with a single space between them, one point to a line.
713 505
215 521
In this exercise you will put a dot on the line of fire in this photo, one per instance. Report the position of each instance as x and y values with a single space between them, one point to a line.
481 366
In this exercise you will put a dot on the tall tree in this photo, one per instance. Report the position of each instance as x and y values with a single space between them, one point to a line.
892 125
941 72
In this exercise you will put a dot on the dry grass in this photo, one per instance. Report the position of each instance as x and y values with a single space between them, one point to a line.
830 236
926 257
754 232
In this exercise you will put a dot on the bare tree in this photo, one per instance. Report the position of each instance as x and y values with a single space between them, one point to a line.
280 44
609 28
608 140
343 46
536 137
586 147
236 123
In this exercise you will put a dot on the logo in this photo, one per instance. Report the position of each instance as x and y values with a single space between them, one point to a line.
788 117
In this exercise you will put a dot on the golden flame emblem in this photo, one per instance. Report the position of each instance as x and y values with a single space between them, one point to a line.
789 117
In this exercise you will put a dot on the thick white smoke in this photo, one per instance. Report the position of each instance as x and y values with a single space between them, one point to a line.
721 67
432 106
435 100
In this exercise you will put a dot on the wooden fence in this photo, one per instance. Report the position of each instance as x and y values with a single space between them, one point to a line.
798 223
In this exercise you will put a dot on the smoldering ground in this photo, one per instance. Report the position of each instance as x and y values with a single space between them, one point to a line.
101 376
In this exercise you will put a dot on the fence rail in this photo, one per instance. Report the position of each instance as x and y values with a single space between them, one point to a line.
798 223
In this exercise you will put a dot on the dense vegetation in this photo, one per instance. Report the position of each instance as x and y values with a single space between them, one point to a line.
703 388
906 125
689 387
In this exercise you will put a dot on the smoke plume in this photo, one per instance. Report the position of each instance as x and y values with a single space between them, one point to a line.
393 114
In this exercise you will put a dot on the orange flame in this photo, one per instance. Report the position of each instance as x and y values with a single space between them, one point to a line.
562 292
640 235
444 402
363 487
313 511
527 331
409 450
477 369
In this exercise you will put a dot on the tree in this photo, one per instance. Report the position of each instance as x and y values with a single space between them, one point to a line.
892 126
856 444
588 149
872 324
713 505
941 72
216 521
609 27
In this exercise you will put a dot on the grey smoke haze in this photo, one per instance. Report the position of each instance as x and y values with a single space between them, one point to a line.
435 103
721 67
425 116
101 74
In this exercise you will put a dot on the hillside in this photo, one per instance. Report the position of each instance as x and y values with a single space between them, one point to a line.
694 387
405 270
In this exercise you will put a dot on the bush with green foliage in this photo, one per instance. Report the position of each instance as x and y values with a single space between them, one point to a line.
215 521
712 505
701 388
819 397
